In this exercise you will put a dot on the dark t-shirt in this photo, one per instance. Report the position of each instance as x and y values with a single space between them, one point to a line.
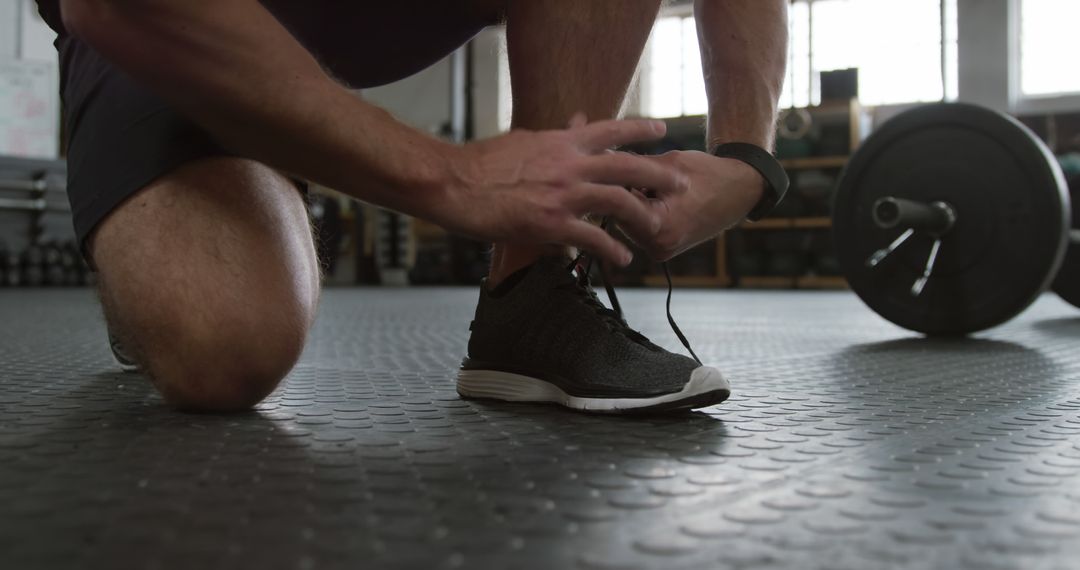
364 44
50 12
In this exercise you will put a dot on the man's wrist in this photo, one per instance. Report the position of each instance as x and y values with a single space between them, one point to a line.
756 181
439 181
755 125
775 179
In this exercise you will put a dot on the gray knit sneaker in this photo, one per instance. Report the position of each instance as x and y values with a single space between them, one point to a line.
543 336
125 362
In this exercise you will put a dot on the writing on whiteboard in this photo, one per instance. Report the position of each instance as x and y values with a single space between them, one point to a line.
29 109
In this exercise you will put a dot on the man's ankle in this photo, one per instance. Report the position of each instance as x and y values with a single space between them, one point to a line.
505 260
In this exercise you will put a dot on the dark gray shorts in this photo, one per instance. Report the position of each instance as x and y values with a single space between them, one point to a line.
120 137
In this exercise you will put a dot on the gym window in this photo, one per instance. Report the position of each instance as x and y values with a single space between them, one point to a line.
905 51
671 83
1047 42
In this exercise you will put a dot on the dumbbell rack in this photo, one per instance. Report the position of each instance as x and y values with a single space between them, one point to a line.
813 226
789 282
33 186
36 237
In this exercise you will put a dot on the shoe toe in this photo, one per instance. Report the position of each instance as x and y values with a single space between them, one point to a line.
707 379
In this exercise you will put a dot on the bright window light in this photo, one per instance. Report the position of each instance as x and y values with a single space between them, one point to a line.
671 70
897 46
1047 47
694 100
797 84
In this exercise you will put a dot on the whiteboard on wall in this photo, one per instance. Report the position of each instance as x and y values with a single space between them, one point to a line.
29 109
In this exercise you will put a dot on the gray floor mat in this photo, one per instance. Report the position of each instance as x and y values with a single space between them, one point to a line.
848 443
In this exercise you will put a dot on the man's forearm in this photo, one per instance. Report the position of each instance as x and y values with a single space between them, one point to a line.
234 69
743 56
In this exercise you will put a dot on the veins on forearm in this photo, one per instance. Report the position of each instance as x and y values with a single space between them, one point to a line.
743 55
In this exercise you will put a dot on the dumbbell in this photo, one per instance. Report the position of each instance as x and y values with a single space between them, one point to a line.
33 266
953 218
69 260
12 269
53 264
3 265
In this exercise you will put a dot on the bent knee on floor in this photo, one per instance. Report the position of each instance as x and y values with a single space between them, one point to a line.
203 390
209 279
222 362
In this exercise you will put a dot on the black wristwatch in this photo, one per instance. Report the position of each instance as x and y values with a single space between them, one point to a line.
761 160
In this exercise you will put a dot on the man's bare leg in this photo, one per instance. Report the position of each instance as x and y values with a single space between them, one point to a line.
568 56
208 277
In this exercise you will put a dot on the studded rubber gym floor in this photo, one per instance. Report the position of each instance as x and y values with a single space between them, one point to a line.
848 443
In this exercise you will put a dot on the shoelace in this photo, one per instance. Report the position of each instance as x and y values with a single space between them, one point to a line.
616 309
612 317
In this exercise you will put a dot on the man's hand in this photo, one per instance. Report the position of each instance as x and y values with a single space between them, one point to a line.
536 187
722 191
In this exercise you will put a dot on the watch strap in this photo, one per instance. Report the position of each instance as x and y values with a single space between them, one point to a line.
761 160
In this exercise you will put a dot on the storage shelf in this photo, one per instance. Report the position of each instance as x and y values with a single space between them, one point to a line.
790 282
847 114
811 223
787 224
686 122
841 106
814 162
821 282
767 224
767 282
687 281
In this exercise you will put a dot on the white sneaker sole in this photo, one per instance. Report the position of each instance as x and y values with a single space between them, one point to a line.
124 366
706 387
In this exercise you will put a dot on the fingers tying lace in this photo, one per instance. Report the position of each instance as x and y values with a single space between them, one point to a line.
584 270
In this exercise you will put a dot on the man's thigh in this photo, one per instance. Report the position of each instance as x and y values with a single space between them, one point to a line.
208 279
119 136
166 216
214 237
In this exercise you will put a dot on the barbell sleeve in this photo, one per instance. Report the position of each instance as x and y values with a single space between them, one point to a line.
934 217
